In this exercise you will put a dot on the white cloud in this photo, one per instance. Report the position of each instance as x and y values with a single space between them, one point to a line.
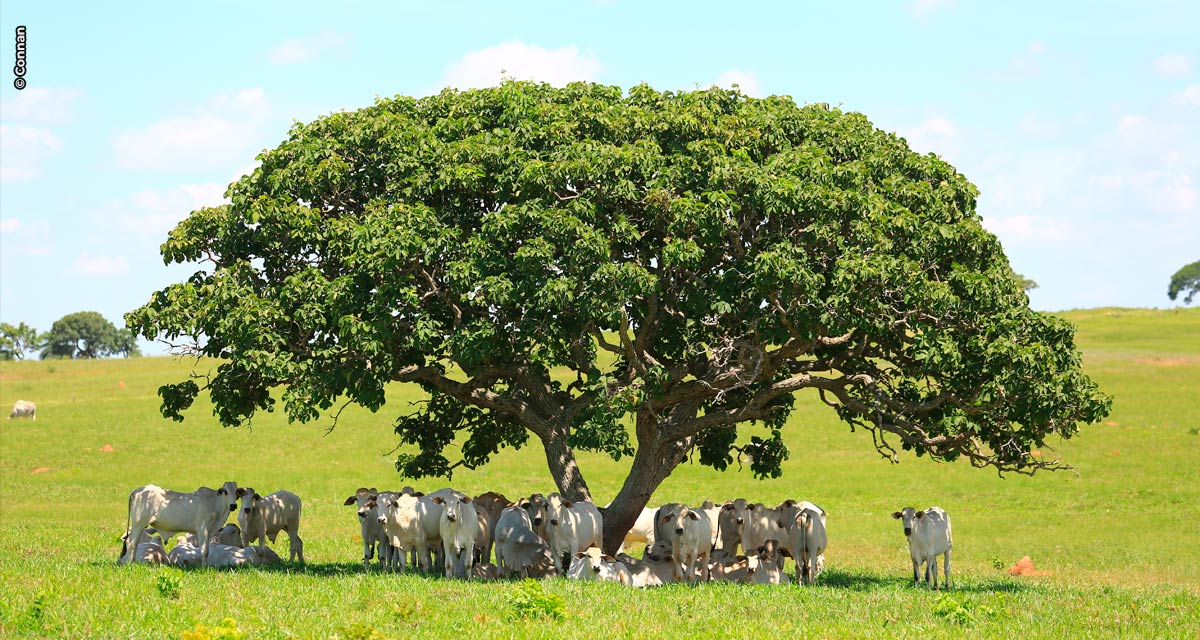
487 67
100 266
41 105
154 212
935 134
304 49
1172 64
24 239
1027 228
22 149
746 81
215 134
1188 97
924 8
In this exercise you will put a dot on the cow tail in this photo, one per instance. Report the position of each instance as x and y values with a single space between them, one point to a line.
128 527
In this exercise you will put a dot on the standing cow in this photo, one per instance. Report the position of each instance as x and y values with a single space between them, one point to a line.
23 409
929 536
202 512
264 517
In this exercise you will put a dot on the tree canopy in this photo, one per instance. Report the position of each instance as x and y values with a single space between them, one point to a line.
87 334
1185 281
566 262
16 341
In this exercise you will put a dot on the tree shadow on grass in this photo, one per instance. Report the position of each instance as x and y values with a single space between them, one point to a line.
865 582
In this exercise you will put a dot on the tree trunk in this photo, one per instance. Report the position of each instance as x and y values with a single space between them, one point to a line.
564 469
653 463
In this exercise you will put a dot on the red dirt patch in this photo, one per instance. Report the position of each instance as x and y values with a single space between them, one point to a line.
120 384
1112 454
108 448
1024 567
1110 423
1178 361
41 470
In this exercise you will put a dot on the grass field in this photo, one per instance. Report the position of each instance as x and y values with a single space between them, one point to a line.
1119 538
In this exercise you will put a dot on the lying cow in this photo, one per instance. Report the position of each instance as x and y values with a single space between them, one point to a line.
262 518
185 554
202 512
226 555
151 550
597 567
230 534
767 566
23 409
929 536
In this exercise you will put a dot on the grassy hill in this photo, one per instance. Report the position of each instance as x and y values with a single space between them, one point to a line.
1117 537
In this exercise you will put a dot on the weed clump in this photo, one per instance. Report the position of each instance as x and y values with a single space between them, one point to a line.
530 600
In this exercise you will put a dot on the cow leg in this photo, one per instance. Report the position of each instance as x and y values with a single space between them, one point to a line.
916 580
133 538
933 569
946 569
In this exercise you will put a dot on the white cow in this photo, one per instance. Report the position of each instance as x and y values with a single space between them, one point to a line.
731 524
573 527
713 511
598 567
657 566
762 524
230 534
262 518
929 536
691 541
227 555
151 551
805 539
185 554
23 409
767 566
368 522
202 512
457 527
403 519
642 530
519 549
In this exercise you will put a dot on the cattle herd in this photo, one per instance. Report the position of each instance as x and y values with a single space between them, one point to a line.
533 537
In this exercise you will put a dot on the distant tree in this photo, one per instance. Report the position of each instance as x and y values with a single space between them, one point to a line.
1185 281
86 334
16 341
560 263
1025 283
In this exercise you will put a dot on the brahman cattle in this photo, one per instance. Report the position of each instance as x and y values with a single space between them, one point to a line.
202 512
929 536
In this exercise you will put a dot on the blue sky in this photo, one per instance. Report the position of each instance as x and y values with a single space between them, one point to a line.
1079 122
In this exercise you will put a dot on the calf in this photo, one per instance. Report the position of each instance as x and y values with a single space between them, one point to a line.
805 540
767 566
151 551
573 527
262 518
658 560
929 536
519 549
368 521
729 568
23 409
457 527
691 541
201 512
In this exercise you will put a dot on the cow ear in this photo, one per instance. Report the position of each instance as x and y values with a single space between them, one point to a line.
788 503
897 515
419 494
667 518
221 491
466 499
728 506
349 501
257 497
567 503
395 503
751 507
371 505
373 490
608 558
780 523
693 515
438 500
579 554
241 492
920 514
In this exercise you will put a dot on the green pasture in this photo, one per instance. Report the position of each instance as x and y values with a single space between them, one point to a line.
1118 538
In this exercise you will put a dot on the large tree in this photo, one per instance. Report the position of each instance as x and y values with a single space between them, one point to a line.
16 341
1185 281
568 263
87 334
